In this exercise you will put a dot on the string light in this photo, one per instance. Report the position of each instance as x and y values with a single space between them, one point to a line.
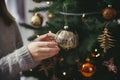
64 73
38 36
97 55
83 15
50 32
48 2
96 50
61 59
30 70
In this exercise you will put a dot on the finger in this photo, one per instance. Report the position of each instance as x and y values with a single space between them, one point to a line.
46 37
47 44
51 34
39 38
49 50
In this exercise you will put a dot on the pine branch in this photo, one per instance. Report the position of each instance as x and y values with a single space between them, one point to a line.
27 26
39 9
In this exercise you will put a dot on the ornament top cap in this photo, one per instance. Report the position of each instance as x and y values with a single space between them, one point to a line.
66 27
109 5
36 14
87 60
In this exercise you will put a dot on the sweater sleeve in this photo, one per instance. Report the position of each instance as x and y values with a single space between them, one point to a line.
17 61
18 36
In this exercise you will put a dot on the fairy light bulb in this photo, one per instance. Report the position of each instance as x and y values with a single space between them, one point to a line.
64 73
30 70
109 5
83 17
38 36
96 50
48 2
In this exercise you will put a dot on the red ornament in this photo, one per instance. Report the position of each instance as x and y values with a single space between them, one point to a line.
50 15
88 69
109 13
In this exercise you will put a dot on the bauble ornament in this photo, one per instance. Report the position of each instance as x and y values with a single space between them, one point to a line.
109 13
88 69
37 20
50 15
66 39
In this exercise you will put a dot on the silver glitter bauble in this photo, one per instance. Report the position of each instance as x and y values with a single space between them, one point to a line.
66 39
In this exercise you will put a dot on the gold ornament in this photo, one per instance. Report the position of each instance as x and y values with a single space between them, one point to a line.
50 15
66 39
109 13
37 20
88 69
105 40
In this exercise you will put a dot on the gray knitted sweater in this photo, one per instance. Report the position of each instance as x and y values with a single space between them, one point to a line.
13 57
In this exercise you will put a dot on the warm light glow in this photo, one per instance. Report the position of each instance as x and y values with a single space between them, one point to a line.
30 70
50 31
95 50
38 36
61 59
48 2
97 55
64 73
83 15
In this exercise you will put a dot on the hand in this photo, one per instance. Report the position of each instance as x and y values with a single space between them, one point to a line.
43 47
46 37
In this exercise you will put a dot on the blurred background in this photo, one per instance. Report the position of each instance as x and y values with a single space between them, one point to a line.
19 9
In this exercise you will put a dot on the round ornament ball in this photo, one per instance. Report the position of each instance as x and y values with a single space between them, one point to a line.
87 69
37 1
37 20
109 13
50 15
66 39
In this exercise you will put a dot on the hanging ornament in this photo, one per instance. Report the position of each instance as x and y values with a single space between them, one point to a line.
87 69
106 41
66 39
50 15
37 1
110 65
109 13
37 20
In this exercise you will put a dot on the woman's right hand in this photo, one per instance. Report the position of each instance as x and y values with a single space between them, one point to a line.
43 47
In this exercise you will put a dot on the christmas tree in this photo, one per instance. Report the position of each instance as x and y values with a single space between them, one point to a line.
88 33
